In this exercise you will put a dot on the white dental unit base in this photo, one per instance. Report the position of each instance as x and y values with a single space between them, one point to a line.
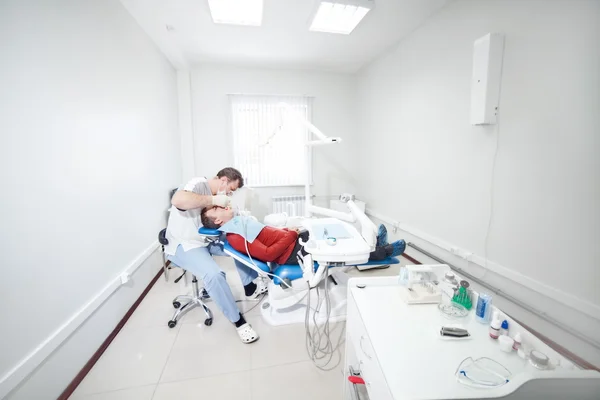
332 243
400 354
289 306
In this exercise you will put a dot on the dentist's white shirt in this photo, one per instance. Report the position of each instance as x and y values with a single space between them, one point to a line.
182 228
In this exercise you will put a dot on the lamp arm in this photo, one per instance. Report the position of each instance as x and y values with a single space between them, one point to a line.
322 139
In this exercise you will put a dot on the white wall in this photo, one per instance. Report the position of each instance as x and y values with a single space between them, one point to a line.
90 149
333 113
185 125
414 123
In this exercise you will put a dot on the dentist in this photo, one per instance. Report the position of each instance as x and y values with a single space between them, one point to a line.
188 250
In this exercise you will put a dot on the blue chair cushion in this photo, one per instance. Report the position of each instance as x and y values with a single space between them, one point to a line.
209 232
291 272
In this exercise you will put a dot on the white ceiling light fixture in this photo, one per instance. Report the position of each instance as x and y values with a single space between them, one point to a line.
236 12
339 16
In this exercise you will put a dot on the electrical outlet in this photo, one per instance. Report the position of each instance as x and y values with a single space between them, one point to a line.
125 277
457 251
462 253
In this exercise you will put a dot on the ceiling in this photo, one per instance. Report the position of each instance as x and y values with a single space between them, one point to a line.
186 34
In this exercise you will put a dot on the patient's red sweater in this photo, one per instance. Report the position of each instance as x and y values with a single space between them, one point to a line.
271 244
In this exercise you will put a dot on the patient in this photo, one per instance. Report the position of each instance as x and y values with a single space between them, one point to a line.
277 245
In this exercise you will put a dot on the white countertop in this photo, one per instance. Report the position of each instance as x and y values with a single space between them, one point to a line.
417 362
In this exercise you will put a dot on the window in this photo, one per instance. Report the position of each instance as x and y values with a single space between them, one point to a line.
268 140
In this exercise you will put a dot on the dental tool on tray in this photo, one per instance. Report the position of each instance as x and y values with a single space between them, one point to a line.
454 332
419 284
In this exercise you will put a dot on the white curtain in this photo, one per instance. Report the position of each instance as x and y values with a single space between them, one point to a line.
268 142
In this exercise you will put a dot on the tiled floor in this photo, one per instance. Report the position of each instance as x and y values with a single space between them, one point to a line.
148 360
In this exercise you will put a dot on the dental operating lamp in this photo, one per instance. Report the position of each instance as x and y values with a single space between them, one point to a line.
367 226
322 140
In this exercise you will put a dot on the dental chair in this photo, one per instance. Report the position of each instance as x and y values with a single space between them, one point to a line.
291 287
184 303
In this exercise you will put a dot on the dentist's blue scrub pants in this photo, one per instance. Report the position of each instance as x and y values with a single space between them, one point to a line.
199 261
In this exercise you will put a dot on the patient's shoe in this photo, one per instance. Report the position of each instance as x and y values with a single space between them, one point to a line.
247 334
261 287
398 248
382 236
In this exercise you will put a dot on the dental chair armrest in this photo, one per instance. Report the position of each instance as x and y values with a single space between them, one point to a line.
209 232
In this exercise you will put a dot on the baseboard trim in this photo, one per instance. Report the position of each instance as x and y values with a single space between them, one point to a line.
96 356
409 258
559 349
37 356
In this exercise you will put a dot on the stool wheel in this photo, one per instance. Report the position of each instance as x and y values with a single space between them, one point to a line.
172 324
176 304
208 321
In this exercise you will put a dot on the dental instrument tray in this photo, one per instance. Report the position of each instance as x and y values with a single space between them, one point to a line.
419 285
425 293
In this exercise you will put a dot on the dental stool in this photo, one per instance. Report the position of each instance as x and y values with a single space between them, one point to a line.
185 303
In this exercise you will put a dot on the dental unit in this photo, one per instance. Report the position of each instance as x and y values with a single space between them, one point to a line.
333 242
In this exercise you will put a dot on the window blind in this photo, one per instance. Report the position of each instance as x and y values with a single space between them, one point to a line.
268 142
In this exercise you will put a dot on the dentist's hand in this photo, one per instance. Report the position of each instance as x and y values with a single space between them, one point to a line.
244 213
221 200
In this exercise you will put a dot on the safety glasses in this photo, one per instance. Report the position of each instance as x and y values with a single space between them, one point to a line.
482 372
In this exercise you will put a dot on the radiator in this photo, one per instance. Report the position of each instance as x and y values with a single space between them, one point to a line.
292 205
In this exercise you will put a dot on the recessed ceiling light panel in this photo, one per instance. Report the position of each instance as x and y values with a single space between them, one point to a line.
339 16
236 12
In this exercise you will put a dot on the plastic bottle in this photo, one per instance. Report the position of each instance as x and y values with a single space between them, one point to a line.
496 315
504 328
483 308
495 328
517 343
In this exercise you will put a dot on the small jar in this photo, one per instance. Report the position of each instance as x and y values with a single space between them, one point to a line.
506 343
539 360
